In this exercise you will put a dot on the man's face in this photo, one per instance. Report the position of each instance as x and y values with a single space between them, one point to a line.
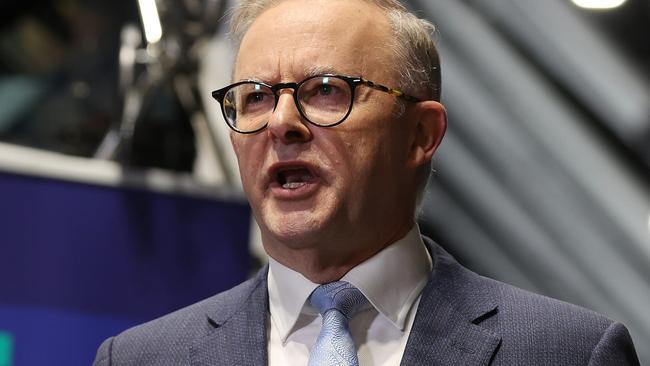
336 188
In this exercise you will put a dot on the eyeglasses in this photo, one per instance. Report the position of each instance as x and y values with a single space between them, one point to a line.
323 100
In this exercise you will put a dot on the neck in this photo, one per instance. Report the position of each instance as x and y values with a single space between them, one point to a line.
320 262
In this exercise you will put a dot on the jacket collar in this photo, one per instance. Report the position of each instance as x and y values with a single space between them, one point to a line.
237 327
450 326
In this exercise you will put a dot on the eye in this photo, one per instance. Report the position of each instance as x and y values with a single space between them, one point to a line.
254 99
257 97
326 89
322 92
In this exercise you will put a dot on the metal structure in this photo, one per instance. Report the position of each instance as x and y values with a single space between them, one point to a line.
175 34
529 186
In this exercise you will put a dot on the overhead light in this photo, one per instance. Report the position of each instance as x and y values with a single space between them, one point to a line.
599 4
150 20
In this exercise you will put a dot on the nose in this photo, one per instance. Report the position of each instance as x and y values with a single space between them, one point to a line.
285 123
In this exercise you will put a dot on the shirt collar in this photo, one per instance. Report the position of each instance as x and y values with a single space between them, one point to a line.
288 293
391 280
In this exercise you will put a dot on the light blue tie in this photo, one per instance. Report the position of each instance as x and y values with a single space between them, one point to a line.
337 302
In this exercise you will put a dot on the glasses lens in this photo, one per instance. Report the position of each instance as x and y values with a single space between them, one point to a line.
247 106
325 100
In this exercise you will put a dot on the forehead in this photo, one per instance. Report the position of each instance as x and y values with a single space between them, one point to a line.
297 38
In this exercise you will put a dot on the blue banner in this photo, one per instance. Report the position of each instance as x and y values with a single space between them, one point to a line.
80 262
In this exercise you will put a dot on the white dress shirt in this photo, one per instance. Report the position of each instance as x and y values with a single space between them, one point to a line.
391 280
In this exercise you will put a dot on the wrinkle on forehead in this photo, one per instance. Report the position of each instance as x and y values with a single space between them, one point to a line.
299 38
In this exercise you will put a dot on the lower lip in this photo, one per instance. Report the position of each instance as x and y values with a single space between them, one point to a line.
292 194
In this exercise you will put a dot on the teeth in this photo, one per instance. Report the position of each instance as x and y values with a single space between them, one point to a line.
293 185
294 178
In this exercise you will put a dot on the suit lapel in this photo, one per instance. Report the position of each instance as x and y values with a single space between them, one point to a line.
447 329
237 334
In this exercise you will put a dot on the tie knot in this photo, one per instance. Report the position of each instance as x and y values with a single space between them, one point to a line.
339 295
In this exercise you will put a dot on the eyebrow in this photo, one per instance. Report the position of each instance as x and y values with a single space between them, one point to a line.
320 70
310 71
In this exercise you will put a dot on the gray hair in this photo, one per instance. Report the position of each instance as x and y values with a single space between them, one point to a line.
417 62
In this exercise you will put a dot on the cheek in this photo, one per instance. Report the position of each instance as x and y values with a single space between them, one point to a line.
249 160
363 158
379 164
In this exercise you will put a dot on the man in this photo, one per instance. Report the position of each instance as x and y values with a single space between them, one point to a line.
335 119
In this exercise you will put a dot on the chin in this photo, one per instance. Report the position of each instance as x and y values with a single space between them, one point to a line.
299 229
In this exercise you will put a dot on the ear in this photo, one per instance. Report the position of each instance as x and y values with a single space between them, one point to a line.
431 124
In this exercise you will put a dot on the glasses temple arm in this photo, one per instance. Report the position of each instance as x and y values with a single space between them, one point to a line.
395 92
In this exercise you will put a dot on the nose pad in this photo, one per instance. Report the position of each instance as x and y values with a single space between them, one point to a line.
286 123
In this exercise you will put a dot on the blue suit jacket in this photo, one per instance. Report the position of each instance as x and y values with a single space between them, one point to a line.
462 319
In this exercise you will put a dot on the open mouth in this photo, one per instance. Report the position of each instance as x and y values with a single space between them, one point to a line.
293 177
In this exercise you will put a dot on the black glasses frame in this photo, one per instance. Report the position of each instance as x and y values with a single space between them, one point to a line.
353 82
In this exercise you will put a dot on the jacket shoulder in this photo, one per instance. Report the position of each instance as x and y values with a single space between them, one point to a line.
517 308
535 311
167 340
540 329
533 329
